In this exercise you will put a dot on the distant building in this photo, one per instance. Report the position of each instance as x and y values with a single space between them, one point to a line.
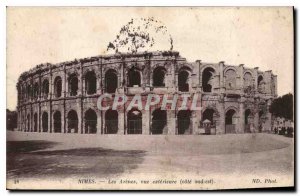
62 98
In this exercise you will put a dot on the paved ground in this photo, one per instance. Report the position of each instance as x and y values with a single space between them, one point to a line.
44 156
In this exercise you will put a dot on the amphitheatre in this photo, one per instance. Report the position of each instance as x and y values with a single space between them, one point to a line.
62 97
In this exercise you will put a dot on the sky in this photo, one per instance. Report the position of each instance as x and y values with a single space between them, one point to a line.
254 36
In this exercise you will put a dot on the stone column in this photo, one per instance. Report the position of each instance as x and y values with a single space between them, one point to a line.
242 117
220 129
221 68
121 126
145 122
99 122
256 121
171 122
255 79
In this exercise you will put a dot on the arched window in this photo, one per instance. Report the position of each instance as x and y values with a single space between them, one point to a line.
72 120
134 77
207 76
230 75
29 91
184 122
57 87
159 121
230 121
183 80
208 114
90 83
111 122
111 81
45 122
159 77
57 122
73 85
36 90
260 84
90 118
247 79
45 90
134 122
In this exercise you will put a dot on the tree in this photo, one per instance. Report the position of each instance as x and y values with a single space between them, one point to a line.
283 107
141 35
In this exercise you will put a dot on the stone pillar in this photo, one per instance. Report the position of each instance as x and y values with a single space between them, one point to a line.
242 117
121 125
99 122
194 122
145 122
275 85
171 122
256 121
220 129
221 71
255 78
241 78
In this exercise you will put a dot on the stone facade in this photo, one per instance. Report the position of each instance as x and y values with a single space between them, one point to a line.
62 98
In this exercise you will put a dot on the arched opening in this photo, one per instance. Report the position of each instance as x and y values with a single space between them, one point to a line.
90 83
134 78
184 122
57 87
111 81
45 90
208 120
230 121
134 122
183 84
35 122
247 121
28 123
57 122
45 122
72 122
159 121
90 119
159 77
111 122
230 75
247 79
29 91
36 90
260 84
207 77
73 85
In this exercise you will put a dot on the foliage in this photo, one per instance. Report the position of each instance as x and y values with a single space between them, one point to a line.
140 34
283 107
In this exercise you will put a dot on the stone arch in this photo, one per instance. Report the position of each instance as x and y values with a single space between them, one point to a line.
111 81
90 82
90 119
230 79
45 122
158 76
207 76
45 88
159 121
73 84
184 122
36 90
134 121
248 79
29 91
57 122
184 75
111 122
230 120
72 122
57 86
260 83
134 77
